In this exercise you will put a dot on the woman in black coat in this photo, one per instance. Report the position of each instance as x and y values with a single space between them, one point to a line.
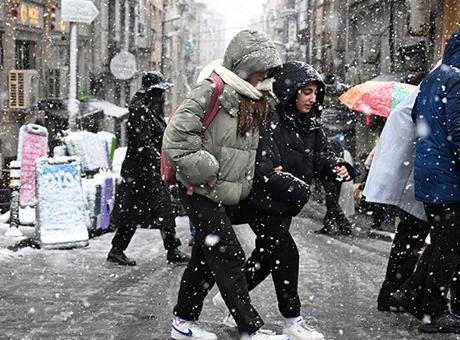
293 150
143 199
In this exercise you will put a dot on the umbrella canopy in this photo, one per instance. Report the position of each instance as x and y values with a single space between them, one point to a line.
376 97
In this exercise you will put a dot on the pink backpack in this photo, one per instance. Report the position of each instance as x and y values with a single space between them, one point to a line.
168 172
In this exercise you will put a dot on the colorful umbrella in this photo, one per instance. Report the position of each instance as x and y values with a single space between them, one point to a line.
376 97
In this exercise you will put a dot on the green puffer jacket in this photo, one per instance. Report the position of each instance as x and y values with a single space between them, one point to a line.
221 152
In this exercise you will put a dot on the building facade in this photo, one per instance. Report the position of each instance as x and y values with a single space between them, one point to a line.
35 57
352 41
193 36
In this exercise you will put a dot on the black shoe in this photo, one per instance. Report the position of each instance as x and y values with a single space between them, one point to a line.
387 306
345 230
118 257
327 230
406 303
323 231
384 307
176 256
444 323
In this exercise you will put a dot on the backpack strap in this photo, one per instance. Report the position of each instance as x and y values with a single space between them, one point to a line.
218 88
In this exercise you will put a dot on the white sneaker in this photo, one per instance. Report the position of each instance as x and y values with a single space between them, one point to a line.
219 302
182 329
265 335
300 331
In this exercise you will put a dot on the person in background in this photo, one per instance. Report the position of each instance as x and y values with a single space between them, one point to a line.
346 199
143 199
335 222
380 212
219 165
390 181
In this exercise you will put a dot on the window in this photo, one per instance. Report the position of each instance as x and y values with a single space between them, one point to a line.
54 83
1 51
25 55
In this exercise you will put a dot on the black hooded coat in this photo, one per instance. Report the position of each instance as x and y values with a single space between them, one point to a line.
142 199
298 145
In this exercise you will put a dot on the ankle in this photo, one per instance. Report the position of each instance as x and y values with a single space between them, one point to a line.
179 321
292 321
115 250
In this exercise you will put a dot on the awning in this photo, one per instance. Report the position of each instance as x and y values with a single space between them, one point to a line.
58 108
108 108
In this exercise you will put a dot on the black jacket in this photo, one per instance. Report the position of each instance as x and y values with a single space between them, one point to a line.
142 196
299 146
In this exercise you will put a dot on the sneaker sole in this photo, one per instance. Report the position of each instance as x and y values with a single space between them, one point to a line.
294 337
178 336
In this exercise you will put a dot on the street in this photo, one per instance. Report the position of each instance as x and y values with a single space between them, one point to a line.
76 294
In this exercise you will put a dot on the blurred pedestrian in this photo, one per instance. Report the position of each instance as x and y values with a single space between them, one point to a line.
218 164
391 181
143 199
335 222
346 199
380 213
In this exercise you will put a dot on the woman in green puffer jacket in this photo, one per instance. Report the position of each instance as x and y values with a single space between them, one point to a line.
219 165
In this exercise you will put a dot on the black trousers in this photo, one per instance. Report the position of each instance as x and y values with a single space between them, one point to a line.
411 233
125 232
275 253
217 257
439 262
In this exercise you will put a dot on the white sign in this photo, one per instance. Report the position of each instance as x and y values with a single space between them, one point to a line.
123 66
62 219
78 11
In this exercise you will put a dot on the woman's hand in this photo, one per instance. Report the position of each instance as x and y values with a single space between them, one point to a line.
342 172
212 182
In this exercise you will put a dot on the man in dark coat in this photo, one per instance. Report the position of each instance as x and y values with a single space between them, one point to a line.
143 199
437 184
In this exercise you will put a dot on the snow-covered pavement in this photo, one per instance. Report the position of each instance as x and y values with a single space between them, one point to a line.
76 294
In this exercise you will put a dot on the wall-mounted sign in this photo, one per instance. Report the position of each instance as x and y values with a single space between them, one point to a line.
31 15
123 65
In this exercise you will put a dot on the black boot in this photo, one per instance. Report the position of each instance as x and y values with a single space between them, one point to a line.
329 227
345 230
444 323
176 256
343 224
118 257
407 303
